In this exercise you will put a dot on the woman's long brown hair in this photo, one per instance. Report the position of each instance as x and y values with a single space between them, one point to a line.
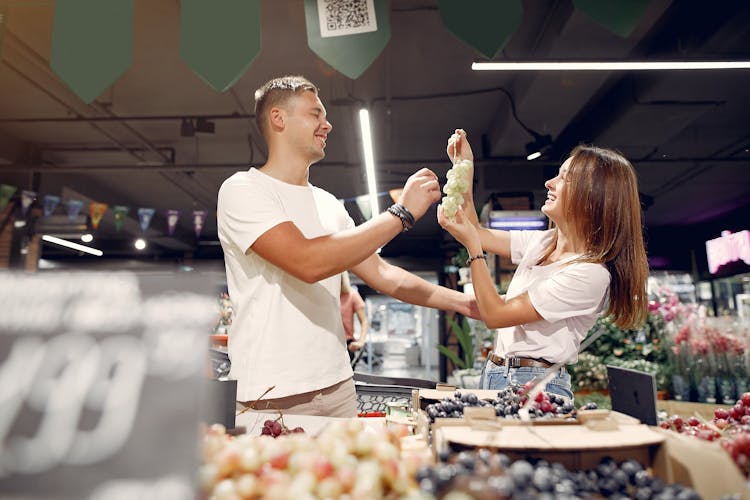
603 209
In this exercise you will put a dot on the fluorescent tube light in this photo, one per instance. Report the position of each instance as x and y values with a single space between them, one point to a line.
534 155
71 245
364 122
607 65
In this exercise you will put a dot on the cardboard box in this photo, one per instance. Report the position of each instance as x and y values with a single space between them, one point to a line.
672 457
424 397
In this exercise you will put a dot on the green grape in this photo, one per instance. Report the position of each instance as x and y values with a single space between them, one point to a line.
455 187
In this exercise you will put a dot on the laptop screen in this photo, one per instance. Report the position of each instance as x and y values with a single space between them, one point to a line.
633 393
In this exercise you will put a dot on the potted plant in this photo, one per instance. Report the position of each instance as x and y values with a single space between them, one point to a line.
465 375
459 260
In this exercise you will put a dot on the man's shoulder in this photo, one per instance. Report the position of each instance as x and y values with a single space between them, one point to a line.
241 181
241 177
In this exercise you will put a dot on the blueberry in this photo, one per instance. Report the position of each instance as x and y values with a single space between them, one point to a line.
472 399
643 494
443 475
630 467
657 485
543 479
500 486
621 478
641 479
484 455
423 472
503 460
466 460
607 486
565 487
521 472
428 486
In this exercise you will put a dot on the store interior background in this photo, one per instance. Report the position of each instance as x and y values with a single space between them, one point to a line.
687 134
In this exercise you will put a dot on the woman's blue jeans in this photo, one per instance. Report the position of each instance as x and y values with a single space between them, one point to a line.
498 377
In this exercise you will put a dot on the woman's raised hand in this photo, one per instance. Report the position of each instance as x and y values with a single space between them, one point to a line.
458 147
462 229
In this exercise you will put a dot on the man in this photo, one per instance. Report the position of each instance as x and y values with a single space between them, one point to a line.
285 243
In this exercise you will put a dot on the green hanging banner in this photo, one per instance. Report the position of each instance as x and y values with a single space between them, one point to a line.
348 35
618 16
121 212
219 40
91 44
484 25
6 193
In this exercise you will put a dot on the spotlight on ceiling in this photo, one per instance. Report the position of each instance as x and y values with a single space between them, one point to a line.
140 244
203 126
87 238
538 146
187 129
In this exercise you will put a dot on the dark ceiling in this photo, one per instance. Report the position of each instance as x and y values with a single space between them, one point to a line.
687 133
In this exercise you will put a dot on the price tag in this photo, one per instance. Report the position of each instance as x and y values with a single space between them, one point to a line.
102 384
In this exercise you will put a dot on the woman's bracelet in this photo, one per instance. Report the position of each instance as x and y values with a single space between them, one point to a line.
482 256
400 211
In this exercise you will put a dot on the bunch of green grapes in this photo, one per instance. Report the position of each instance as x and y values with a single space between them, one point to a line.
457 185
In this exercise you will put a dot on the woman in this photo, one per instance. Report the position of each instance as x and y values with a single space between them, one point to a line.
593 261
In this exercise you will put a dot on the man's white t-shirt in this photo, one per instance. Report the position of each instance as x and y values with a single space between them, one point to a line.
285 332
568 295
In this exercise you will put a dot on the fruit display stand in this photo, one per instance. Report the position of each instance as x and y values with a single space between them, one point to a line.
338 456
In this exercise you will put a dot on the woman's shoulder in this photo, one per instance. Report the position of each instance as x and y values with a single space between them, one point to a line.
590 271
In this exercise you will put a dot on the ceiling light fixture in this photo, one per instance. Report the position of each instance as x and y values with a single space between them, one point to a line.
87 238
607 65
71 245
139 244
364 122
538 146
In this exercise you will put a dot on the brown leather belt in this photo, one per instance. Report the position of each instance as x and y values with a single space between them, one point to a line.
517 362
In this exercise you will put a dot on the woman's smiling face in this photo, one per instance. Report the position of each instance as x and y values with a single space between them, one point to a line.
556 188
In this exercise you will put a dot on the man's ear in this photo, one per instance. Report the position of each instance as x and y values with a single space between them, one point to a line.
277 118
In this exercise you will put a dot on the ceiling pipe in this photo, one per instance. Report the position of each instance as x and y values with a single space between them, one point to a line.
26 53
127 118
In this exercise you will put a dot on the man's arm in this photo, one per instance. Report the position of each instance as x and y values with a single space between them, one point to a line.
406 287
313 259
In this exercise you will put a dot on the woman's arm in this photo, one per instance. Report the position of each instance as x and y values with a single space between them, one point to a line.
496 312
495 241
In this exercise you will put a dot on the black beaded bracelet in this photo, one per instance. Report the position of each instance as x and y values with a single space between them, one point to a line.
407 214
482 256
406 218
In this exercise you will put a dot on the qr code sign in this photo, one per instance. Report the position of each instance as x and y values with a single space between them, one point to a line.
346 17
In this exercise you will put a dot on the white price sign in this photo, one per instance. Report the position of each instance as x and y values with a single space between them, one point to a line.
97 373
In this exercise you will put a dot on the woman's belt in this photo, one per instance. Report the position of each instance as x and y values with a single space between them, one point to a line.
517 361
